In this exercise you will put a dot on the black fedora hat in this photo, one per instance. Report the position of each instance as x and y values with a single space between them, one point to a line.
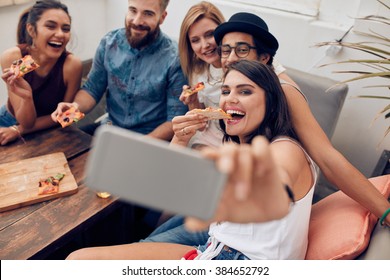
250 24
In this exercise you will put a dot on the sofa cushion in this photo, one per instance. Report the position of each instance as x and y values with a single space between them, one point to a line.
325 99
340 228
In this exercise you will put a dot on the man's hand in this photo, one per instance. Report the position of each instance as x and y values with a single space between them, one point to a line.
61 108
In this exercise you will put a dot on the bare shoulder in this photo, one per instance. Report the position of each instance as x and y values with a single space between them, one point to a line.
295 98
287 147
291 159
288 153
9 56
72 66
73 62
291 90
287 78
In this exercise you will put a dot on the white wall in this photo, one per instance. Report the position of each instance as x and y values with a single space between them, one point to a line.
116 11
296 34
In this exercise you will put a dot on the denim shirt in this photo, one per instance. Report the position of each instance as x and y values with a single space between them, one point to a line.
143 86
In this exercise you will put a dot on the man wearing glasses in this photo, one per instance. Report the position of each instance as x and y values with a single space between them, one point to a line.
246 36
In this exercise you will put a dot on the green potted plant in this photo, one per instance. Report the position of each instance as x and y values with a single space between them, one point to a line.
378 47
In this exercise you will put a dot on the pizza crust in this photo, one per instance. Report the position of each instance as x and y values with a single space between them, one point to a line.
194 89
212 113
23 66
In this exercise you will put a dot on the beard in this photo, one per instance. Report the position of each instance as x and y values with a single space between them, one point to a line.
140 42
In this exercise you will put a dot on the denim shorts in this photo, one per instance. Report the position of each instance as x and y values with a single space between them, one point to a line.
6 119
174 231
226 253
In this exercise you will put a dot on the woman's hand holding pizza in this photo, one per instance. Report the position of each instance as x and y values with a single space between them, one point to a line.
17 85
186 126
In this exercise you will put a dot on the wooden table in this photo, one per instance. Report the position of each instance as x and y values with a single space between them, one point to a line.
36 231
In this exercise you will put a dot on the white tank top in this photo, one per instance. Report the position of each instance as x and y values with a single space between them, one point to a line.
278 239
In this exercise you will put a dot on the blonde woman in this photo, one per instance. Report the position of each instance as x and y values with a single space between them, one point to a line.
201 62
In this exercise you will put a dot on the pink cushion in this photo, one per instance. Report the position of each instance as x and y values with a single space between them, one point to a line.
340 228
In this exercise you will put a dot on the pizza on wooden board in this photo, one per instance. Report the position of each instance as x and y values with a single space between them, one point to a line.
23 66
212 113
70 116
194 89
50 184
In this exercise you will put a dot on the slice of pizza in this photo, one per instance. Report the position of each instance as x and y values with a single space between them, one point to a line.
194 89
212 113
70 116
24 65
50 184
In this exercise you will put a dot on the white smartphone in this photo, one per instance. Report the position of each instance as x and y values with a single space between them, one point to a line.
152 173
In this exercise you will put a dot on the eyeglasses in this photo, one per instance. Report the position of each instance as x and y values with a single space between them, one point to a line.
242 50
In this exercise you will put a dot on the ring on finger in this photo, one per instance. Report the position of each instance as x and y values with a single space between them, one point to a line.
184 131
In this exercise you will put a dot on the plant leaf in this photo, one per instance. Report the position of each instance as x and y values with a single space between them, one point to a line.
385 109
387 132
373 96
358 46
375 68
364 76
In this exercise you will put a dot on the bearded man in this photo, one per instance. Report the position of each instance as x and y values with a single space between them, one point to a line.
139 68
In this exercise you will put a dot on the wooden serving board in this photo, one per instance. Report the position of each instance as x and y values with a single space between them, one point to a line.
19 180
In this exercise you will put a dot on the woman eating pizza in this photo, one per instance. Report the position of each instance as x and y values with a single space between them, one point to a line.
265 163
54 74
253 32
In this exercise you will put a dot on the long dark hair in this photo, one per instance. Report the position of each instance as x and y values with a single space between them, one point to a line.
32 15
277 120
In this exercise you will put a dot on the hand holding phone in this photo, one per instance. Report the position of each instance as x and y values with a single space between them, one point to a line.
150 172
